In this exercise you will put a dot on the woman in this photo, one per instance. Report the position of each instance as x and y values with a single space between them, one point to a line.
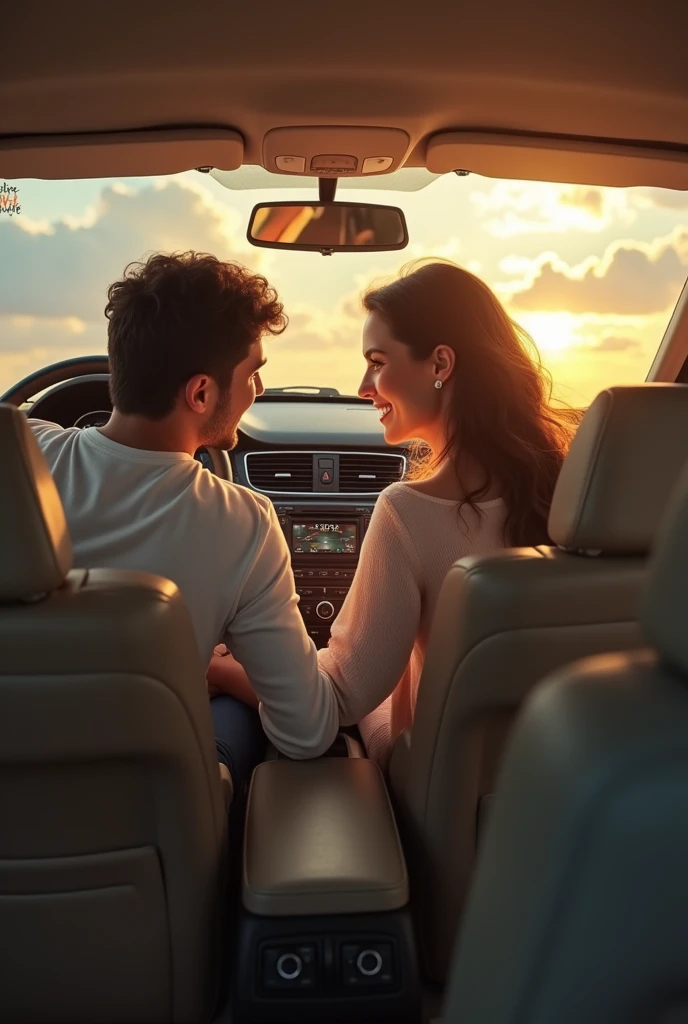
448 368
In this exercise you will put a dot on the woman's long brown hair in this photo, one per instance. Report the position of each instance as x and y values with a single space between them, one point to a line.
501 415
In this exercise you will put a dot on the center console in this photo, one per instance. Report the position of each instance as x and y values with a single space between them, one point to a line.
325 541
325 931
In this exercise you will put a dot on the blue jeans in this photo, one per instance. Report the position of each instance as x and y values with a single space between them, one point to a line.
239 736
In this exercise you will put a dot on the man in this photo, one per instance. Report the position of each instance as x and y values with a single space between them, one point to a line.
185 347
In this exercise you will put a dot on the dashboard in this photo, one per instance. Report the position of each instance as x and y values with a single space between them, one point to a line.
322 461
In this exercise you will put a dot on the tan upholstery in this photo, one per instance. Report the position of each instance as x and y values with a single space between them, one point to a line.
665 606
578 907
505 620
113 838
622 465
338 851
321 839
36 550
227 784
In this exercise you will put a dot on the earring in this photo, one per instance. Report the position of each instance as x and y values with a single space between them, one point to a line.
438 384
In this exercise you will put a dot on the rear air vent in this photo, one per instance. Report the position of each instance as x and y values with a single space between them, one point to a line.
280 472
361 473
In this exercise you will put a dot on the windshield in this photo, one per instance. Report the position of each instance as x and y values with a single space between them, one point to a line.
592 273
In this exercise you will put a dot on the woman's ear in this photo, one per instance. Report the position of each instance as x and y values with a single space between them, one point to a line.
445 360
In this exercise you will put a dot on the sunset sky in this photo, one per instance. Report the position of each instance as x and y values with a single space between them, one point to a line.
593 274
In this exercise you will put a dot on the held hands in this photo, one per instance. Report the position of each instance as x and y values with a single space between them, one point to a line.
226 675
214 677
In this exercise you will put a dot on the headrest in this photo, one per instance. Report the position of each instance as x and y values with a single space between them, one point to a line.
665 602
624 462
35 550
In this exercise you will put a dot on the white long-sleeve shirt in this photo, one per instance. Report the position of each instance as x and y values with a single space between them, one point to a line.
162 512
377 648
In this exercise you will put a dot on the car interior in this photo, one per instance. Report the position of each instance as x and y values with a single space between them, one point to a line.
522 857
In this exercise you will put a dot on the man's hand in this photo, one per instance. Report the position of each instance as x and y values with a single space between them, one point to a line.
212 675
226 675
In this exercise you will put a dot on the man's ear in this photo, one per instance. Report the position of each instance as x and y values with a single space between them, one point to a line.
197 393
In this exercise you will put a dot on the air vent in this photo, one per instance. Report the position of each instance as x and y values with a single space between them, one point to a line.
280 472
361 473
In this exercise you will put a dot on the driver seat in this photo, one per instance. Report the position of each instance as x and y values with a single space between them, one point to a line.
114 830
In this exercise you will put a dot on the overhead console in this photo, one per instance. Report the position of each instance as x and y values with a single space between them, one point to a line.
334 151
325 932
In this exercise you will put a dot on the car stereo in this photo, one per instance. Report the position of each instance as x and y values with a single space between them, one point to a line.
324 537
324 543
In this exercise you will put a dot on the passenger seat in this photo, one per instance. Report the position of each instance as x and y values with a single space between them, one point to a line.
113 836
579 908
505 620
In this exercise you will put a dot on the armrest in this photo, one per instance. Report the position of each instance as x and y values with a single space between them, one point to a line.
321 839
343 746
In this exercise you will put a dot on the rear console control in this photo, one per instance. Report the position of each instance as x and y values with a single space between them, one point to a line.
287 967
344 968
366 964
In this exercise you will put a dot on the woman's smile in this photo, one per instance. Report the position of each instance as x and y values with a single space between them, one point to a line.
384 410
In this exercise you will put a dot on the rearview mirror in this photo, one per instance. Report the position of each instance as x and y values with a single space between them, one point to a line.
328 227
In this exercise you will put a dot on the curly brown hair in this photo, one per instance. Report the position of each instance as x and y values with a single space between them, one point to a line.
179 314
502 414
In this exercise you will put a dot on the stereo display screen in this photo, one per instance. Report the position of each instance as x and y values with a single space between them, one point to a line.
314 538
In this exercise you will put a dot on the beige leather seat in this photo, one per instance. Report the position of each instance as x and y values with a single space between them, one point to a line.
579 908
113 825
503 621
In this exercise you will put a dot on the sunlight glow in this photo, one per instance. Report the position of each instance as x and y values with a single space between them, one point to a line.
552 332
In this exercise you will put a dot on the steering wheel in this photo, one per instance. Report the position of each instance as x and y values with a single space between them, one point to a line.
69 370
56 373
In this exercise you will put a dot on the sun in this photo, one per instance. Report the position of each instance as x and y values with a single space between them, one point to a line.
551 332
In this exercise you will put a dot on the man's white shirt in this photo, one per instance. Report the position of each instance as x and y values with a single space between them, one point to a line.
162 512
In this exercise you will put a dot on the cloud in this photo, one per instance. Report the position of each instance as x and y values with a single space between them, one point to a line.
64 269
511 208
590 199
522 266
50 334
664 198
317 350
616 343
631 279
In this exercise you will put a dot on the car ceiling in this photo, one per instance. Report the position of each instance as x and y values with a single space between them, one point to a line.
616 70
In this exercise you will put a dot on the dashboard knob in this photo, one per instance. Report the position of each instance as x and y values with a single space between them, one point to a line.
324 610
289 966
369 962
